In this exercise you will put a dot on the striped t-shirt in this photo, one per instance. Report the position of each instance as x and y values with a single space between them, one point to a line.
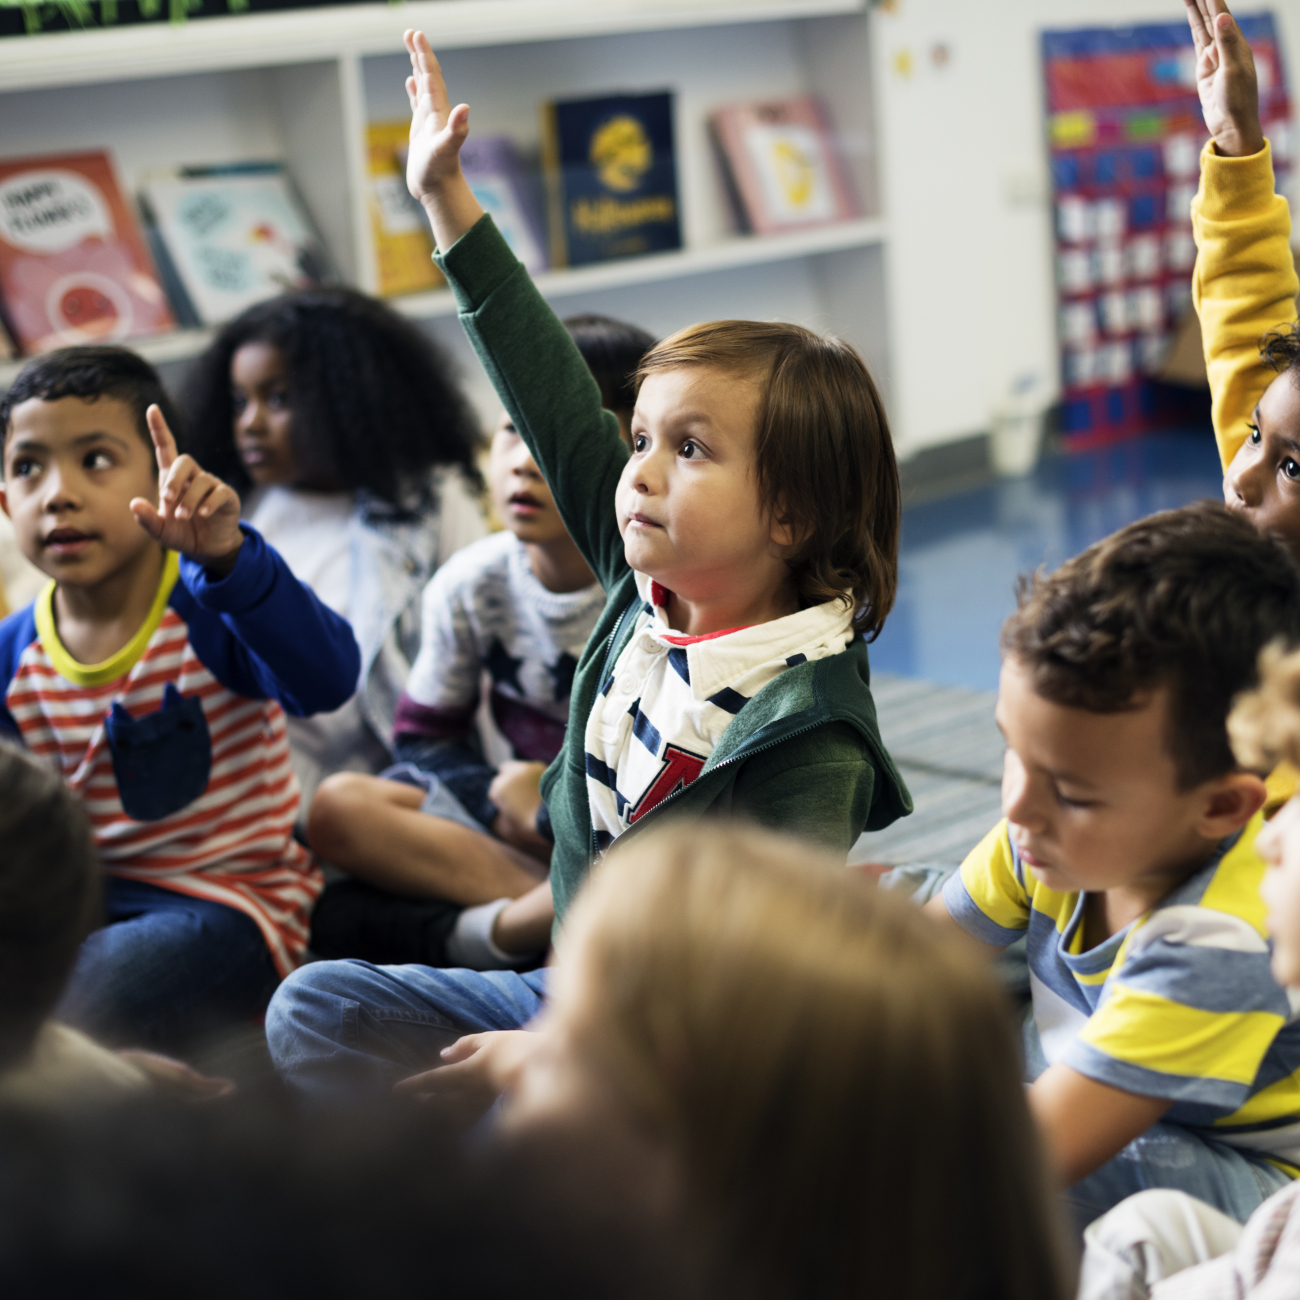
668 698
1180 1004
187 782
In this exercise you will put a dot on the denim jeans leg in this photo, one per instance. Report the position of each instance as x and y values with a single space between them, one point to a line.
1171 1156
337 1029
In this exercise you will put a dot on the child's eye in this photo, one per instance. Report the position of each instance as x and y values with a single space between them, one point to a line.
98 460
277 400
690 450
1067 802
24 468
1254 435
1291 469
640 442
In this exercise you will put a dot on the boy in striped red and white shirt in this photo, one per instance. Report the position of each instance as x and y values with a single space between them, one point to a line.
154 672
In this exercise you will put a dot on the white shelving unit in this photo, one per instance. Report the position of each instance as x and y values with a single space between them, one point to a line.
302 85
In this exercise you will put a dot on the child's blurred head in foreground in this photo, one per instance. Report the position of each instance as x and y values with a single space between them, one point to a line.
762 463
77 450
794 1065
1265 729
1263 479
49 896
1119 670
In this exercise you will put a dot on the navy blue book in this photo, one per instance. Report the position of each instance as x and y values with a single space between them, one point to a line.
613 177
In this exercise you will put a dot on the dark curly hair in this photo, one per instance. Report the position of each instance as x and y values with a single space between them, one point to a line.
1185 599
374 402
1281 349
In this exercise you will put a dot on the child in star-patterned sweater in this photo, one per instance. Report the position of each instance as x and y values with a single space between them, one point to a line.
438 848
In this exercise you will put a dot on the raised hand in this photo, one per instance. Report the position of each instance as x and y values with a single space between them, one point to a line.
199 515
433 172
1225 79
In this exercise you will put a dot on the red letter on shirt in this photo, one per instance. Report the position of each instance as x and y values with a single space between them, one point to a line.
681 767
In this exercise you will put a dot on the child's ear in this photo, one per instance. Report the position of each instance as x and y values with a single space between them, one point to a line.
1231 801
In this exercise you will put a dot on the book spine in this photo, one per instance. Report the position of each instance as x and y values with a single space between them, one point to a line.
182 305
554 173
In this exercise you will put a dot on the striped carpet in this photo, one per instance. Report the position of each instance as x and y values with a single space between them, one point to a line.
949 750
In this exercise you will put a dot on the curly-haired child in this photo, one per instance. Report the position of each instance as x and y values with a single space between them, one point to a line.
340 424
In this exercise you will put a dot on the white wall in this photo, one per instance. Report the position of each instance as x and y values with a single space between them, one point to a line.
966 191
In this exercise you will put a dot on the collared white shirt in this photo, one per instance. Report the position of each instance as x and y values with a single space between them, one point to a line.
668 699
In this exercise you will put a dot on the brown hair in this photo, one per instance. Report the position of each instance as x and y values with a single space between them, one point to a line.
836 1079
1185 599
49 895
824 457
1264 724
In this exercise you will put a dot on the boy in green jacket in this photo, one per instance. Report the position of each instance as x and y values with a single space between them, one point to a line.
748 547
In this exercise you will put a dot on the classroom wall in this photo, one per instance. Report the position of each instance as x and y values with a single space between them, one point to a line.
965 186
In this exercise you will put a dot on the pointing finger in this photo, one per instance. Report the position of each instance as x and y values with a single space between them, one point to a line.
163 442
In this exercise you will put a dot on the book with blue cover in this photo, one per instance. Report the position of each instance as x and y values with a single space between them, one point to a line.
612 171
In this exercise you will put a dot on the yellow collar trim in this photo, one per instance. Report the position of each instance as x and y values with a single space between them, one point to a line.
126 658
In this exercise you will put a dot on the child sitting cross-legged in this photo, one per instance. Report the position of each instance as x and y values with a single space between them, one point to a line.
1159 1047
154 672
747 546
451 830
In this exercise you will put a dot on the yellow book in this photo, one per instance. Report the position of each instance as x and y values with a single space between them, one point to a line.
403 243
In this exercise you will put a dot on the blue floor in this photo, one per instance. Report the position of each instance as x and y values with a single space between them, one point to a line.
961 555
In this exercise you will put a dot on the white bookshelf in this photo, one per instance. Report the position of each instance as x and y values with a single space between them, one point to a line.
301 85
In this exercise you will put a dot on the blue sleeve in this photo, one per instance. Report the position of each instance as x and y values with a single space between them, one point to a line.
264 635
17 632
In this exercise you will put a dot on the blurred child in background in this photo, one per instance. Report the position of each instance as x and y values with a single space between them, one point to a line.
516 608
341 425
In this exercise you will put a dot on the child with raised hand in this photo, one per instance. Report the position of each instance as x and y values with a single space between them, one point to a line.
154 672
341 424
1245 285
1161 1049
1244 288
795 1070
451 829
747 547
1168 1243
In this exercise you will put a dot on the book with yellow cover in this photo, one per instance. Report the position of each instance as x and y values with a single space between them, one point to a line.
403 244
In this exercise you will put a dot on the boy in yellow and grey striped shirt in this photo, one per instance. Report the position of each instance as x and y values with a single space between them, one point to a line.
1162 1051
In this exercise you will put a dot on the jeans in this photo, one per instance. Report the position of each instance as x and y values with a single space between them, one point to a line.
1170 1156
166 969
340 1029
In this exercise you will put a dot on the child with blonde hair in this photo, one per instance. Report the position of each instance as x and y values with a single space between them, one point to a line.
747 544
1169 1244
796 1070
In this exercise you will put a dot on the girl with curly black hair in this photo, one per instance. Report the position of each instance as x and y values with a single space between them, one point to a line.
340 425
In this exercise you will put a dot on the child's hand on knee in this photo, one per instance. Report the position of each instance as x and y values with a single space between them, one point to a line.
1225 79
433 172
516 794
475 1071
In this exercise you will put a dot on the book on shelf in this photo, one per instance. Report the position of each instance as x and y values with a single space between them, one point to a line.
227 237
73 266
507 193
781 165
612 177
403 242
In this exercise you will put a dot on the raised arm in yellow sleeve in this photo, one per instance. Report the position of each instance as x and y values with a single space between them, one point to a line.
1244 284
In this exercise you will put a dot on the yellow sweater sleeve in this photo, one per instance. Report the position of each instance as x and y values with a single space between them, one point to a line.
1244 284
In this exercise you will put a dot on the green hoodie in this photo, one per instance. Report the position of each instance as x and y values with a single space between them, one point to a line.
804 755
